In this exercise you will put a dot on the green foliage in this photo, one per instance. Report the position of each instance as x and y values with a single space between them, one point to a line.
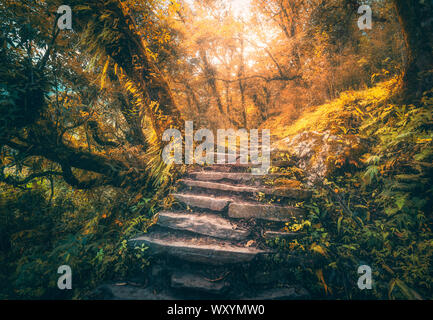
379 214
85 230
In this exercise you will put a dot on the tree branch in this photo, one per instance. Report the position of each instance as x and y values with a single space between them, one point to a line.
15 182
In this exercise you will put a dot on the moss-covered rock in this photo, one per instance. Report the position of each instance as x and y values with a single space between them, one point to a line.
319 154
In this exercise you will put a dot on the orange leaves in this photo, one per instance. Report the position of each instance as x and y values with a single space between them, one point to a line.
138 197
319 274
104 73
354 163
319 249
340 162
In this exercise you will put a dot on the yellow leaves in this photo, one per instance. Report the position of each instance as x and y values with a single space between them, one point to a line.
84 114
289 183
363 61
319 118
152 54
339 162
104 73
319 249
295 244
174 7
423 140
296 227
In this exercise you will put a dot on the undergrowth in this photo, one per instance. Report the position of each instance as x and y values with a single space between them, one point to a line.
377 213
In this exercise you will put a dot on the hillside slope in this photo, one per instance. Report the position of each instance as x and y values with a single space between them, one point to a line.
369 159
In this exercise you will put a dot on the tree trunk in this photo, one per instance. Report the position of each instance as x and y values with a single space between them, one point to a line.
109 25
416 20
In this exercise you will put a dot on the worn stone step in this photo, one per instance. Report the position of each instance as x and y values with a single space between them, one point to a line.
237 177
128 292
270 234
195 248
202 223
203 202
247 210
299 194
196 282
286 293
216 156
236 167
219 186
229 167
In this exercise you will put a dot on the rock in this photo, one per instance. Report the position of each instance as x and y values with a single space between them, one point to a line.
219 186
267 277
189 281
205 224
239 189
204 202
247 210
298 194
287 293
219 176
279 234
196 249
318 153
127 292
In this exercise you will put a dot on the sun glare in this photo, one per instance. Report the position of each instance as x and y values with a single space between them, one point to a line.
240 8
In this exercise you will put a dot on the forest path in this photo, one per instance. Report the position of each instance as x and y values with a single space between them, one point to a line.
213 242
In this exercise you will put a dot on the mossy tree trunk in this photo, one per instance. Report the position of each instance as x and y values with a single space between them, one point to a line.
416 20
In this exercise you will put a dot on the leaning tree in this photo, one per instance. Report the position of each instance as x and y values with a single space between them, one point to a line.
416 20
93 128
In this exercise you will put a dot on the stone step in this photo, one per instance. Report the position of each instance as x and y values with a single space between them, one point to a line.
270 234
196 282
216 156
229 167
128 292
237 177
203 202
202 223
273 163
247 210
239 209
235 167
195 248
286 293
299 194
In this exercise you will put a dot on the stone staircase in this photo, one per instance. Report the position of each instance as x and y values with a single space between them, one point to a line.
212 242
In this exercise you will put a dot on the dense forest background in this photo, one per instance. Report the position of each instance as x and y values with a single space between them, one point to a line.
82 113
